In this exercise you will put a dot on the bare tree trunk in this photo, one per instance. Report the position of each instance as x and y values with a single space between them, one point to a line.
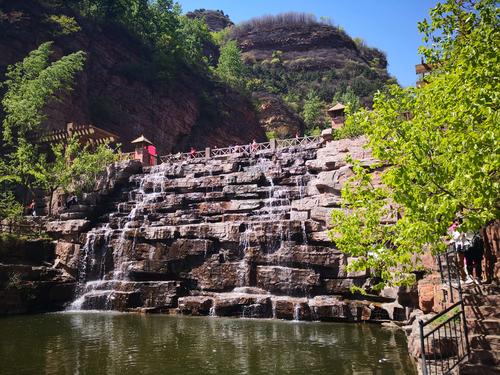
52 191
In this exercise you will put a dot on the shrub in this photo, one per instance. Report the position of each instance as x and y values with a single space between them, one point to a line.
67 25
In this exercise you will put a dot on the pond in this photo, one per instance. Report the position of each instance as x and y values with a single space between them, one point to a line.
114 343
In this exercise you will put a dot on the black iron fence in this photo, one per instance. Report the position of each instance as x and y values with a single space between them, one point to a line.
444 343
450 275
443 340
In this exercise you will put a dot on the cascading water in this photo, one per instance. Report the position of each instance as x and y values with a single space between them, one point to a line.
97 286
181 223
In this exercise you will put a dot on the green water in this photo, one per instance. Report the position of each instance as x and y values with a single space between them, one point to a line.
109 343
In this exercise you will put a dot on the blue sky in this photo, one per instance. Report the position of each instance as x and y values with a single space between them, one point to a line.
390 25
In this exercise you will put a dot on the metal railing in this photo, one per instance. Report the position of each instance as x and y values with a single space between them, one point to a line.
443 340
450 275
242 150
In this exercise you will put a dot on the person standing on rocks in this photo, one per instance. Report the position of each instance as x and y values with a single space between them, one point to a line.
474 257
192 153
32 207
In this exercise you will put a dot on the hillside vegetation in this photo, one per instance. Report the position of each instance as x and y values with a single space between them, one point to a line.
304 61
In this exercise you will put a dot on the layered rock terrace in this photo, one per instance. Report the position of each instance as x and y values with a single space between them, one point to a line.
236 235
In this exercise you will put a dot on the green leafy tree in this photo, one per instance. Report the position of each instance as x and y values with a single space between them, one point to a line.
314 112
31 84
230 67
75 168
195 35
10 208
440 147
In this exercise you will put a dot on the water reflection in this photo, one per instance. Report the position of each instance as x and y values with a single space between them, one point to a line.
97 343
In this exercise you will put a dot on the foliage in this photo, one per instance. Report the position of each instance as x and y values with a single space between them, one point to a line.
440 147
220 37
158 23
10 208
349 99
271 135
314 132
230 68
195 35
31 84
67 25
354 125
314 112
75 168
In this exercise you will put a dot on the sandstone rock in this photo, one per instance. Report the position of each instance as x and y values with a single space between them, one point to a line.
68 253
195 305
284 280
216 276
68 227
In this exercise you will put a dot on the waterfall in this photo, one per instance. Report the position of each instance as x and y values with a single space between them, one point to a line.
97 287
208 226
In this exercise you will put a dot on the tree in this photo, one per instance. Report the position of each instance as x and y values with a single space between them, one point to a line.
195 36
230 67
313 112
439 145
31 84
75 168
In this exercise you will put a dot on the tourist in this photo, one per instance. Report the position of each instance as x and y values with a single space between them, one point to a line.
469 250
474 257
455 236
254 146
32 207
192 153
72 200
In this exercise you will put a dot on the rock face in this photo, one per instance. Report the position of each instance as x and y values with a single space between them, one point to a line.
294 54
117 90
27 281
233 235
275 116
216 20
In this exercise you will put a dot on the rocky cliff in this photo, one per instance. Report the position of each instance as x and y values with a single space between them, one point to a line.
118 90
292 54
28 282
216 20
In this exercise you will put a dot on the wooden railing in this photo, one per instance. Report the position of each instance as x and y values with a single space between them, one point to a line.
242 150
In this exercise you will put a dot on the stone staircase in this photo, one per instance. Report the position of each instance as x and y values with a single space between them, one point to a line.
483 321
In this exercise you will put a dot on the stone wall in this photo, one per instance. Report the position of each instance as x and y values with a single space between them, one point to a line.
28 282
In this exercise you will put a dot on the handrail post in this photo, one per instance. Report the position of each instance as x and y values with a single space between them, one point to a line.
208 151
422 347
466 331
449 277
272 143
